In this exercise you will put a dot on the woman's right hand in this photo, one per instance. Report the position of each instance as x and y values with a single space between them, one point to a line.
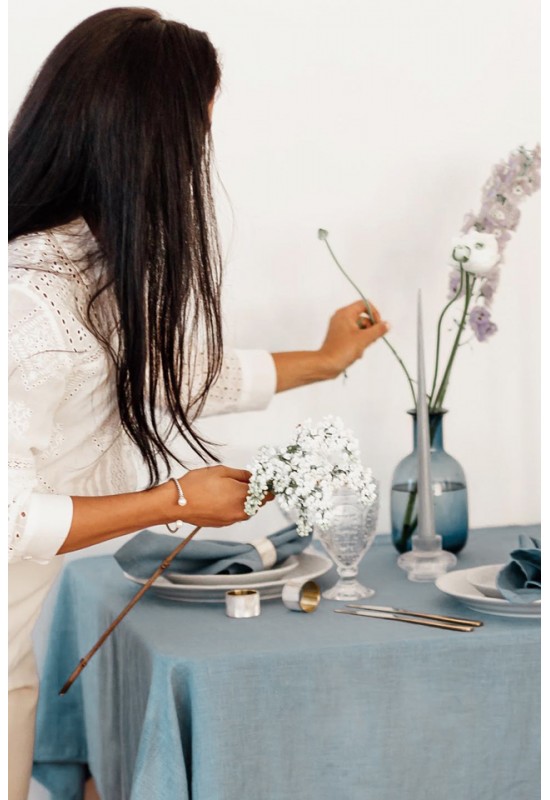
215 496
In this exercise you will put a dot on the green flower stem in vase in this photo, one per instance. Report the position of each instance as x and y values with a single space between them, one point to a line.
410 518
449 491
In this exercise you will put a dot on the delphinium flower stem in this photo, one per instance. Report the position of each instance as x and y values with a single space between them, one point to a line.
323 235
437 404
438 340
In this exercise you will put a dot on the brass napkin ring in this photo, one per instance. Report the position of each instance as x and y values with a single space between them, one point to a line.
242 603
300 596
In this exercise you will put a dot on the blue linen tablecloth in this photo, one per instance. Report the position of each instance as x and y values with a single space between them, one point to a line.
183 703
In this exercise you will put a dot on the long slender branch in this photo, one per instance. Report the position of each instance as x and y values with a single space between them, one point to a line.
159 570
371 317
349 278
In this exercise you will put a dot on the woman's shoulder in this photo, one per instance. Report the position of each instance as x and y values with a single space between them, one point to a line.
64 250
49 281
54 265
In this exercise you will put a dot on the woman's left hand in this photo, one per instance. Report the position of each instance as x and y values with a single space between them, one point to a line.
349 334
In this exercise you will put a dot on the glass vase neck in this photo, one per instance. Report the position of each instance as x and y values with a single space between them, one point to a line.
436 429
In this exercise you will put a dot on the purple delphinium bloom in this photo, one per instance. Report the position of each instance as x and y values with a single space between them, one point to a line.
503 236
490 285
481 324
502 213
510 182
454 284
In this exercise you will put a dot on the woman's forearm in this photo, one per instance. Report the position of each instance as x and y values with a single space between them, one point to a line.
97 519
299 368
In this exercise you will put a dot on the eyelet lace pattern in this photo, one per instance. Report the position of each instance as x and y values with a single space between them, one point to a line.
65 434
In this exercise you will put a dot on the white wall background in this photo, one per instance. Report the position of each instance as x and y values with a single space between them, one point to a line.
379 121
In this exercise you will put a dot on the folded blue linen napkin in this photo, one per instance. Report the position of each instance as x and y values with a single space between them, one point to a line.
520 580
142 554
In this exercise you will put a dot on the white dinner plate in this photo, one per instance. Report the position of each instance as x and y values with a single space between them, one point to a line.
484 579
310 566
264 576
458 584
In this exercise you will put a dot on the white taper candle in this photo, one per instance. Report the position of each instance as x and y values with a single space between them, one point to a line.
426 527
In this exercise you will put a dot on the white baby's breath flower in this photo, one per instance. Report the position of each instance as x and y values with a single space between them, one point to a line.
318 460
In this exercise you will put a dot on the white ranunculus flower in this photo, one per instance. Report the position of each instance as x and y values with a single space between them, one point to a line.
476 251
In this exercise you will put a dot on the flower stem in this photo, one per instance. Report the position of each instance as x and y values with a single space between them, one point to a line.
438 341
371 317
410 523
400 360
440 396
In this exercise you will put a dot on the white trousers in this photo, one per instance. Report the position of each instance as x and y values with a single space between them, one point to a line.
28 585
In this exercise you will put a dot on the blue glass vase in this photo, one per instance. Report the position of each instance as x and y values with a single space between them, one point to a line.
449 490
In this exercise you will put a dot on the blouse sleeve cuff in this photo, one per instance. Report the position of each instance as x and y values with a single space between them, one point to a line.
259 379
49 518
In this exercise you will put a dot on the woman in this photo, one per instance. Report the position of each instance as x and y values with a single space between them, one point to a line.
115 325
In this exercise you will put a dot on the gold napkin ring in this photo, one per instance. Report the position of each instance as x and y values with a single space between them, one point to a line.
300 596
242 603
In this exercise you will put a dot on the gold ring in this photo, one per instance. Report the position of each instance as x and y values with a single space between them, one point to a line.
300 596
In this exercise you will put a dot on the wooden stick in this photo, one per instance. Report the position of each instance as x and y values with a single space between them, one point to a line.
167 561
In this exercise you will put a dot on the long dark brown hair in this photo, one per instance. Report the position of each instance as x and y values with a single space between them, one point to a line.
116 129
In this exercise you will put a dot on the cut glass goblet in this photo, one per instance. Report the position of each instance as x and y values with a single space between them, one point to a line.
346 541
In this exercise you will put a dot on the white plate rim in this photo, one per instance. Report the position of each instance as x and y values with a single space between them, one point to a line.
165 588
211 595
246 577
447 584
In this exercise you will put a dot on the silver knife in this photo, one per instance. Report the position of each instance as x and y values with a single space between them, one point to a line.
398 618
475 622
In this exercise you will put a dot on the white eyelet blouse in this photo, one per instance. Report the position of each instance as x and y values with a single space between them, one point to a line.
65 434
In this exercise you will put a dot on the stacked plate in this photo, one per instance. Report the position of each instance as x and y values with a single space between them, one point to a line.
477 589
212 588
